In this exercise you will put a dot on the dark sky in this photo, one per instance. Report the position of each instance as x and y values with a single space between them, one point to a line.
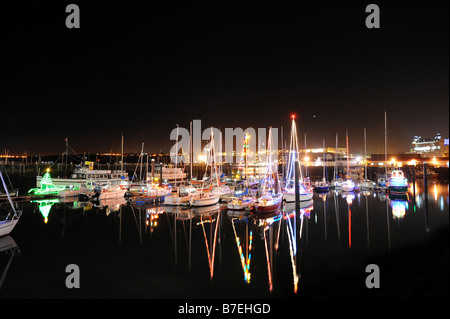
141 70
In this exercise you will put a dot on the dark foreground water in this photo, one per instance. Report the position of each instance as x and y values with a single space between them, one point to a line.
126 251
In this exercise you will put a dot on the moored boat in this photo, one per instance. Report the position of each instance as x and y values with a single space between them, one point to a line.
8 224
397 182
268 203
240 203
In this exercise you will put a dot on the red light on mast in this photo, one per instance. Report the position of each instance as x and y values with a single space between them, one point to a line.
293 116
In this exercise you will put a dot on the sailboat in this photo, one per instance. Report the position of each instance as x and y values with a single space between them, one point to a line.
366 184
336 182
382 181
8 224
184 193
348 185
272 197
304 187
208 197
323 186
242 201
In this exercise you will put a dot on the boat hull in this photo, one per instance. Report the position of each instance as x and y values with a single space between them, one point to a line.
240 205
175 200
115 194
205 201
322 189
269 205
290 197
7 226
397 189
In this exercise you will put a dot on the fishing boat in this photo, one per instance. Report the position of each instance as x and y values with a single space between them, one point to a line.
348 185
304 185
9 222
397 182
272 197
323 186
366 184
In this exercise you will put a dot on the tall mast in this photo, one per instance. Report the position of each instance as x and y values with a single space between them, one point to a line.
121 156
348 158
176 157
335 157
306 165
294 154
385 145
365 154
190 149
323 164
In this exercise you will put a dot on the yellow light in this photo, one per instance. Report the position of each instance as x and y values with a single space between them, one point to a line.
48 169
306 159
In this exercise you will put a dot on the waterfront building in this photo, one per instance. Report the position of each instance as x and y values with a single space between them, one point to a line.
430 147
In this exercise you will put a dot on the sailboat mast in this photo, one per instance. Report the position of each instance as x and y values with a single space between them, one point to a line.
176 157
121 157
348 158
385 144
335 157
190 148
323 164
365 154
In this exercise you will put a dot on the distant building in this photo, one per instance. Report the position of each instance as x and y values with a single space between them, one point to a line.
430 147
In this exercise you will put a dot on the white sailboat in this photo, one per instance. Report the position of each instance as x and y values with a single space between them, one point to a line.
272 197
366 184
323 186
208 197
348 185
336 183
304 187
184 194
8 224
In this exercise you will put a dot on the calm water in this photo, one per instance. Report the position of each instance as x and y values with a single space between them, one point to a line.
126 251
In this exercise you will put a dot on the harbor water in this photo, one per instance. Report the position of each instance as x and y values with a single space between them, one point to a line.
322 251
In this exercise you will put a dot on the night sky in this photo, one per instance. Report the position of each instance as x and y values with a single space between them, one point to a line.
141 70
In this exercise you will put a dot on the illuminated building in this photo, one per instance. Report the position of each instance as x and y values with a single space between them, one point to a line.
430 147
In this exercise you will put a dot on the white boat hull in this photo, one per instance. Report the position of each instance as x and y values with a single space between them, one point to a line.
175 200
266 204
366 185
205 200
7 226
290 197
239 204
114 194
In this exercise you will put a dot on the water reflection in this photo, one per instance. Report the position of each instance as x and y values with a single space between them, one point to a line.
8 250
212 239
